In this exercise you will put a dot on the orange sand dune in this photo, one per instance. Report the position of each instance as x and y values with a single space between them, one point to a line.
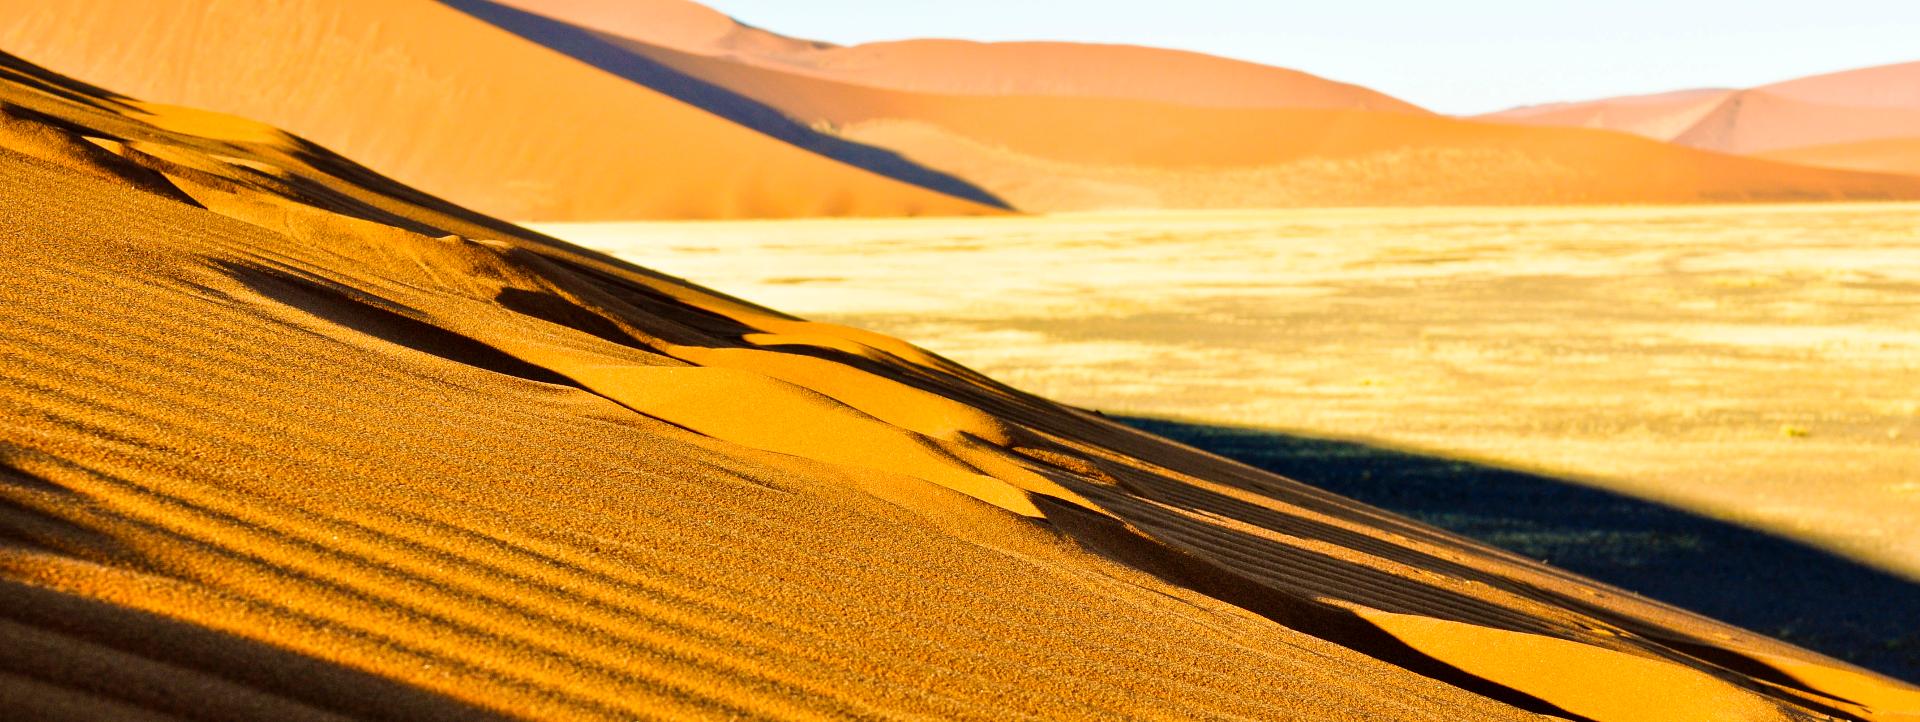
1845 107
680 24
1046 153
959 67
1660 116
459 108
1884 86
1887 155
285 439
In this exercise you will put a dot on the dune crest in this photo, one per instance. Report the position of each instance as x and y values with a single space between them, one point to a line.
289 439
960 67
459 108
1848 107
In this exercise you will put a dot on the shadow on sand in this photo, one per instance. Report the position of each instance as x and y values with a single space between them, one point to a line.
1766 583
593 49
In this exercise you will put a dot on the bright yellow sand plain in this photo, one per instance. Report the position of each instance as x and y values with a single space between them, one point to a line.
1759 363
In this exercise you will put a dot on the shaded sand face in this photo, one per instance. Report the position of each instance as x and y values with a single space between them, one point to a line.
1760 364
281 438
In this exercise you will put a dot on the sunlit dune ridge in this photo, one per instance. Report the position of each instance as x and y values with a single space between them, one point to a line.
287 439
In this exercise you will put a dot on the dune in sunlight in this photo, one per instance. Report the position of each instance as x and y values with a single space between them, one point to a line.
958 67
448 103
1019 128
287 439
602 110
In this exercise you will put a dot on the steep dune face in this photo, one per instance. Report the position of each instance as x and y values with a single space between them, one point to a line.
1847 107
958 67
287 439
462 109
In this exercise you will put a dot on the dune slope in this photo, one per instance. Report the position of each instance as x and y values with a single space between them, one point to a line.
1052 145
1051 153
1886 155
285 439
959 67
1846 107
459 108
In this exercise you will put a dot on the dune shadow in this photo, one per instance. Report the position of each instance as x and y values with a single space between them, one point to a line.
1770 584
589 47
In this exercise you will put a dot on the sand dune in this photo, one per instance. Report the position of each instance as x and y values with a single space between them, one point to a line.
1066 154
1887 155
958 67
597 110
1845 107
1049 144
459 108
287 439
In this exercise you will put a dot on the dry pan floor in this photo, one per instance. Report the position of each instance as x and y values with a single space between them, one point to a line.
282 439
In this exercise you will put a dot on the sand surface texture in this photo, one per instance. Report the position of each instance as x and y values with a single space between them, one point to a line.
282 438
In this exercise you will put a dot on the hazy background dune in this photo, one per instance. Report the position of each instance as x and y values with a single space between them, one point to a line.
1858 119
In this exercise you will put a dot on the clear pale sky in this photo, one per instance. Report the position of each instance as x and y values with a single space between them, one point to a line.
1455 56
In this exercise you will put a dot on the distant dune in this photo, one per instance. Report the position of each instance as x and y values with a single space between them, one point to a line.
460 108
1846 107
1070 152
605 110
287 439
1887 155
971 68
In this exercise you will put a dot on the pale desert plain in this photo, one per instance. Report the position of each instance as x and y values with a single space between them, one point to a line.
1753 364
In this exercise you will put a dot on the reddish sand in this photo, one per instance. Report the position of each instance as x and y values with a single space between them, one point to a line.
1845 107
1066 153
449 103
969 68
286 439
525 116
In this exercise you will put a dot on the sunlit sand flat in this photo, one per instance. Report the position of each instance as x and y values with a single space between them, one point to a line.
1759 363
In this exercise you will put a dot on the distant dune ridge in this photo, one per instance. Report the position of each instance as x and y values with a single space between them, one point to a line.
286 439
1863 119
610 110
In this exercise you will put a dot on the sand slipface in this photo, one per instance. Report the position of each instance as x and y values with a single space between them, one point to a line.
286 439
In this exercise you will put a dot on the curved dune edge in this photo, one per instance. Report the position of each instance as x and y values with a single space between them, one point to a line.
961 67
286 439
1608 686
454 106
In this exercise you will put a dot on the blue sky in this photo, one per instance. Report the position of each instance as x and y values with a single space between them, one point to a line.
1458 56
